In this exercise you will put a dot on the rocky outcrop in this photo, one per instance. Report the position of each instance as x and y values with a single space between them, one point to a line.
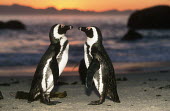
2 25
13 24
157 17
132 35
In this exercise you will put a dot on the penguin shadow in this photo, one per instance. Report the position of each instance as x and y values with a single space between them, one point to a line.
54 102
25 96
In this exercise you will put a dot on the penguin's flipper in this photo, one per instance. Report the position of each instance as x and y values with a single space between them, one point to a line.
55 68
34 90
83 71
94 66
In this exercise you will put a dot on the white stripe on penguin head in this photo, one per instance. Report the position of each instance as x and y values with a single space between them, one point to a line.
94 39
55 32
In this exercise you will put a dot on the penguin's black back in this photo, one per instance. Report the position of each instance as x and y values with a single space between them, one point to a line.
100 53
51 52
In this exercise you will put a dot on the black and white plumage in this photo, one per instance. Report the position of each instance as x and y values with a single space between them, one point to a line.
82 71
51 64
99 66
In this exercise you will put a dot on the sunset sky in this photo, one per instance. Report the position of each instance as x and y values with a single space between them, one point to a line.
95 5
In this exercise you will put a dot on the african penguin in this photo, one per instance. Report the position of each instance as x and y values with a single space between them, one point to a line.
99 66
51 64
82 71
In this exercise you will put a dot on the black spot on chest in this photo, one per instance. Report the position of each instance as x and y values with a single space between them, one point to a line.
61 52
88 52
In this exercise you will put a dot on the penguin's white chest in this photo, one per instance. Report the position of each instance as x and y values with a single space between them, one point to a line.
87 54
62 56
47 82
98 80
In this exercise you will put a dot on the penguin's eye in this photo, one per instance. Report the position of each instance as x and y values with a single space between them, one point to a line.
62 26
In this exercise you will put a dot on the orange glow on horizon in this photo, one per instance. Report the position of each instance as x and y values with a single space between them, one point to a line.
88 5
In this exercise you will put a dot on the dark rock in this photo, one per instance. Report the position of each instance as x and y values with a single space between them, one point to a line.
62 83
82 71
152 79
121 79
118 79
158 95
15 82
1 96
164 71
165 87
4 84
14 107
132 35
157 17
160 87
2 25
144 82
74 83
21 95
15 25
124 79
58 94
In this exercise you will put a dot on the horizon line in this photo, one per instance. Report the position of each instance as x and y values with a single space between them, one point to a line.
66 8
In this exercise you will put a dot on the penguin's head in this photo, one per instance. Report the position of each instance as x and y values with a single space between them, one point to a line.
93 34
58 31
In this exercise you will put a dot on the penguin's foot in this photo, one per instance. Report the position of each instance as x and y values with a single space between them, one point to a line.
30 100
47 102
98 102
45 99
50 102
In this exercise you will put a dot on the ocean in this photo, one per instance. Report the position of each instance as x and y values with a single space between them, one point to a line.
25 48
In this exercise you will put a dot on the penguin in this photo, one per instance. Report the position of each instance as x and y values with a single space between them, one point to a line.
99 66
51 65
82 71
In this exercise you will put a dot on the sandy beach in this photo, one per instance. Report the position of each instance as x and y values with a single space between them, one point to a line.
142 91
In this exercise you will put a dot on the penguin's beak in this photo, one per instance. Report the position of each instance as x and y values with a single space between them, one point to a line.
82 29
68 27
